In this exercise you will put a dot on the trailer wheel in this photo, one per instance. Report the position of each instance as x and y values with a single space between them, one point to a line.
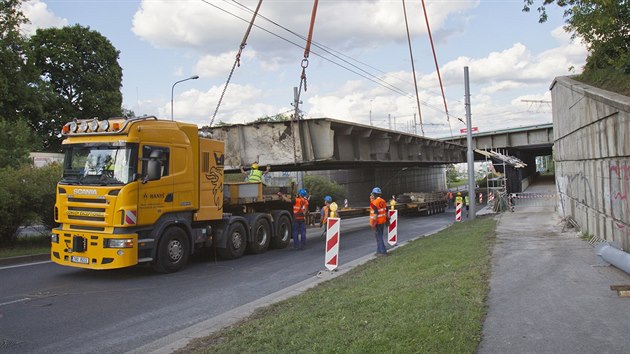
235 243
282 234
261 234
173 251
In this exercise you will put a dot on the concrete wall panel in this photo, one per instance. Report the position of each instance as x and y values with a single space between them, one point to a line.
592 156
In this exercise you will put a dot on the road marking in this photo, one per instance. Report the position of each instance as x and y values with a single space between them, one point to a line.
15 301
24 265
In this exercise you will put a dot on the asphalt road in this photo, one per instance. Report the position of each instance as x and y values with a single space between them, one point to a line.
47 308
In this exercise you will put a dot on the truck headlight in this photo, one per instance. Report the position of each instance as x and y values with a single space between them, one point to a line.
118 243
54 238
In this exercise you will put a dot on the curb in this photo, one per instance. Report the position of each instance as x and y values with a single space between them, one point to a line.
24 259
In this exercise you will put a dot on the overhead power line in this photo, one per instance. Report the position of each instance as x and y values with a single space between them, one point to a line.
359 71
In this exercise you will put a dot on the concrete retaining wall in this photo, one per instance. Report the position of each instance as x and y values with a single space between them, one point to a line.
592 157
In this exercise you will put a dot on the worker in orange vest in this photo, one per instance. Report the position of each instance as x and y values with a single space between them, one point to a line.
300 209
378 219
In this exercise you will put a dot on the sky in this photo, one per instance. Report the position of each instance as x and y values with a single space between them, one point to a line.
359 68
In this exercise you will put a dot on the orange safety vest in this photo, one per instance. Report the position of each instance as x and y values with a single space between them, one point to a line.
325 211
378 216
299 208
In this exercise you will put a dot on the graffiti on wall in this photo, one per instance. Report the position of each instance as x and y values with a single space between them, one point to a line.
619 179
570 185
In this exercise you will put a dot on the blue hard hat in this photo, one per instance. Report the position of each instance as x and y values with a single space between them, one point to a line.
376 190
303 192
328 199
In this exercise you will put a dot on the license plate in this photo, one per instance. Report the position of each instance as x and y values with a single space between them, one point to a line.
77 259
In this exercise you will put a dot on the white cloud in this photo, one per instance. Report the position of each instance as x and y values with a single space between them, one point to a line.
40 17
195 106
501 86
211 66
214 28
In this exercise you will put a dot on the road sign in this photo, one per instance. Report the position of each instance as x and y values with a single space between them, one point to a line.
458 212
464 130
392 234
331 259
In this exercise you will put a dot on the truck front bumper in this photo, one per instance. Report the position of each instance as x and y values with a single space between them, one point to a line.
94 250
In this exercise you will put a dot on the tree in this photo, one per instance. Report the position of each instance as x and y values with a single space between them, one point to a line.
81 78
604 25
451 174
128 113
319 187
17 96
16 141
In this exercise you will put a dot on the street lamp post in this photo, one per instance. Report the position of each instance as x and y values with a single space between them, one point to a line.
194 77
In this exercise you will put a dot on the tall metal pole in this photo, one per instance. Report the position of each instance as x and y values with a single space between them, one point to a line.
470 153
194 77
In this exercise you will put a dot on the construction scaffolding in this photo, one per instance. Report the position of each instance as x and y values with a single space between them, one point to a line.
498 195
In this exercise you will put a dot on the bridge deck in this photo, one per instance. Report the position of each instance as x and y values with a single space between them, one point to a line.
324 143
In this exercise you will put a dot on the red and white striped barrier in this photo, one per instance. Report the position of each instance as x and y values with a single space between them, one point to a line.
392 233
480 198
490 197
331 260
458 212
533 195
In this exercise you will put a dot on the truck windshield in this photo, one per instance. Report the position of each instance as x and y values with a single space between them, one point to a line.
100 164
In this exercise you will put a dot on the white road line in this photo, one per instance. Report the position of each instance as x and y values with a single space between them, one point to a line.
24 265
14 301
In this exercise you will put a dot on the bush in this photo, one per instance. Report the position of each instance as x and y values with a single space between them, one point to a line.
319 187
28 196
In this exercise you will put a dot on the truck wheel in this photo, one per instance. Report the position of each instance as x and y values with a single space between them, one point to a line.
282 234
261 234
173 251
235 243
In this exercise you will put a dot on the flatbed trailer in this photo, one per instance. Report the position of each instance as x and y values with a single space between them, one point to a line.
422 203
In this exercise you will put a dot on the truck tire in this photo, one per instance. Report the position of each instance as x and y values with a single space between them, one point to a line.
173 251
282 231
236 242
260 233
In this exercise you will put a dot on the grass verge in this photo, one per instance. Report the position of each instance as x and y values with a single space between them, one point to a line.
27 246
426 297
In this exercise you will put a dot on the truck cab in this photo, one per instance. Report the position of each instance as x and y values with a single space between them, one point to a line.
143 190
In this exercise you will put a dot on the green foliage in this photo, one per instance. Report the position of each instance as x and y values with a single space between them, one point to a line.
451 174
128 113
28 196
604 25
608 79
18 98
81 78
319 187
280 117
16 141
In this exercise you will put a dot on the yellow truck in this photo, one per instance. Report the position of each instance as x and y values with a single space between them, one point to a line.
148 191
